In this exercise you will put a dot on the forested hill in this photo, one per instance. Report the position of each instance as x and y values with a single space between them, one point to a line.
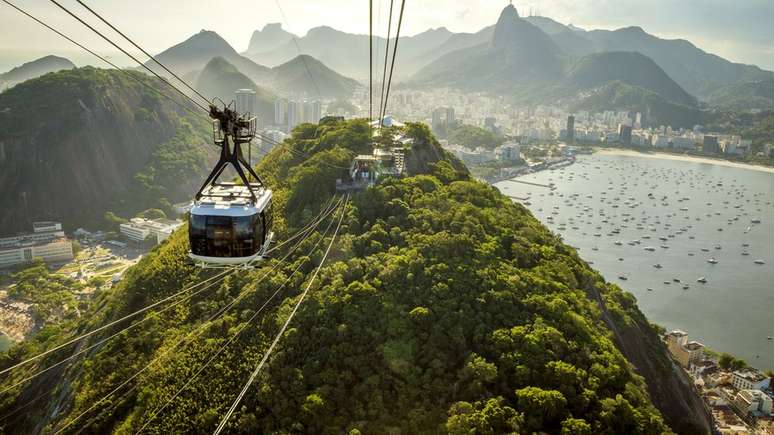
77 143
443 308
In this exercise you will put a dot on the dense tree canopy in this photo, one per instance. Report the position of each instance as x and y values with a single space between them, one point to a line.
444 307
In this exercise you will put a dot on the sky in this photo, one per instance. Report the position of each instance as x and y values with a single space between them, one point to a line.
739 30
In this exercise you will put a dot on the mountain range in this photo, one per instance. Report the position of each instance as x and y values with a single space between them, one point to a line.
530 59
344 52
299 75
434 57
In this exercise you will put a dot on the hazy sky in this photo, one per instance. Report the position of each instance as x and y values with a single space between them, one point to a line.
739 30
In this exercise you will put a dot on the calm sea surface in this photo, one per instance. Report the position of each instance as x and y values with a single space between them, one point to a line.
645 223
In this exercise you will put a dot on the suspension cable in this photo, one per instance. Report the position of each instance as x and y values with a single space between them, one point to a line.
394 53
326 211
279 335
386 54
296 152
79 19
103 59
298 48
239 330
116 334
370 61
196 333
142 50
103 327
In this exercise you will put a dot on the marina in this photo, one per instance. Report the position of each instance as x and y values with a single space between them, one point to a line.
712 225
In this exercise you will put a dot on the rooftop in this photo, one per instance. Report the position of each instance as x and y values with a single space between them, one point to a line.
694 345
44 224
751 375
228 194
16 244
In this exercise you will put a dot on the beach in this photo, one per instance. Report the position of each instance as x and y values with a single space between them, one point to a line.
684 158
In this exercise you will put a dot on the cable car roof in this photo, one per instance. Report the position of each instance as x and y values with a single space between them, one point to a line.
230 199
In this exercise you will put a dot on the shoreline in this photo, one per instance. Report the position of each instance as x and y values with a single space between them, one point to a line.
683 158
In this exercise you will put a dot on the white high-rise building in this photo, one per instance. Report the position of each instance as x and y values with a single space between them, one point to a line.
47 241
294 117
280 112
316 112
246 101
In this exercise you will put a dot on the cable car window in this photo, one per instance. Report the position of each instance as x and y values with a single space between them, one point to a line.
258 235
268 217
244 231
197 234
220 235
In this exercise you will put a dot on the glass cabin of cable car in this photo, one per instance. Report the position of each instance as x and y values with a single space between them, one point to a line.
228 227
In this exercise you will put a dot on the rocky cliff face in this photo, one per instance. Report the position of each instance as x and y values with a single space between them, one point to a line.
670 389
71 144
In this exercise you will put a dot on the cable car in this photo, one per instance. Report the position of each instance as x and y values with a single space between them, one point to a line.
230 224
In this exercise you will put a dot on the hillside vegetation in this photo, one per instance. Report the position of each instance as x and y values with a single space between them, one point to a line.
657 109
79 142
443 308
631 68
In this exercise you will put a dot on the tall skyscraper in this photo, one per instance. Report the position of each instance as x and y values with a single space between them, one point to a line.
451 119
316 112
246 101
436 124
311 111
294 115
571 129
280 112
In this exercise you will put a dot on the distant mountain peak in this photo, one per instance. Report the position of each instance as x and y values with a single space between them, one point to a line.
513 31
509 12
208 39
36 68
270 37
322 30
634 30
272 27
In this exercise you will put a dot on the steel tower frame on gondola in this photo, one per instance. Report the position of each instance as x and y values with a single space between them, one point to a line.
241 130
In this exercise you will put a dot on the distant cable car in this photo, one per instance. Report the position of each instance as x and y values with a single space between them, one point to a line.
231 224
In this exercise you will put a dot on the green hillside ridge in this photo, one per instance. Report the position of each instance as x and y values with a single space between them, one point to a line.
77 143
658 110
221 79
307 74
757 95
631 68
443 308
36 68
697 71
